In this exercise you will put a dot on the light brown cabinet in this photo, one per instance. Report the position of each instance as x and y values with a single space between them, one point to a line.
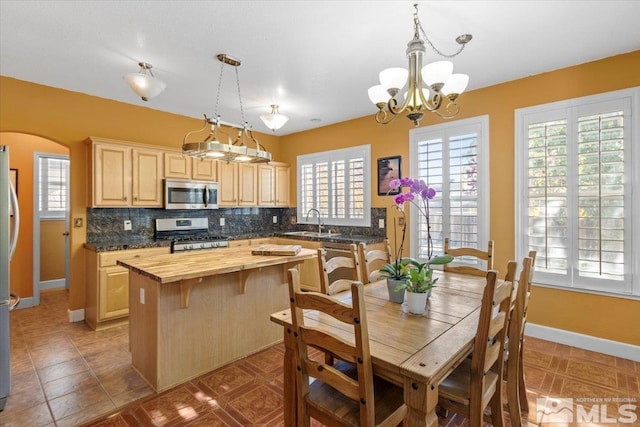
177 165
309 269
237 184
107 291
273 184
204 169
124 175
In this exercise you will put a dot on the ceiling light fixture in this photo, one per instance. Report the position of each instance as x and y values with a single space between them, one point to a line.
442 87
146 86
274 120
231 151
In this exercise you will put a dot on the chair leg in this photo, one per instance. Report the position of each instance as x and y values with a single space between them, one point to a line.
513 400
522 389
497 413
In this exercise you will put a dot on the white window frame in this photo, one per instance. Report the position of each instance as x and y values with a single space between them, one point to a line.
571 110
444 131
43 193
345 154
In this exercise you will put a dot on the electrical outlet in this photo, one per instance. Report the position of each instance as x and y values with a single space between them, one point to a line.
381 223
141 295
293 220
77 222
275 219
221 222
127 225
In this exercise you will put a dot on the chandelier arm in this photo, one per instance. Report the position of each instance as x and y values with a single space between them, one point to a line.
435 49
381 117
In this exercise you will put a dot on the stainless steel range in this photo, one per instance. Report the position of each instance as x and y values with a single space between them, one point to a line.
188 234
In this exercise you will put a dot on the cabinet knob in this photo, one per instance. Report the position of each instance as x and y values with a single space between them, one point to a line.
135 198
124 198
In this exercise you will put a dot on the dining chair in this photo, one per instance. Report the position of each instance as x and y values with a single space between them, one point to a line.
522 389
347 393
513 355
349 265
371 261
477 382
467 252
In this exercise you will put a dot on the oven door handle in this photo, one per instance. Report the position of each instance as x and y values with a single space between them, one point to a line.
205 192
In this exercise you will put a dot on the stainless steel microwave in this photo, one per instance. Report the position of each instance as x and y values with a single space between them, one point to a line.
186 194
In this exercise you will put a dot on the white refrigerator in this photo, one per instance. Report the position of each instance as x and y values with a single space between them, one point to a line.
9 213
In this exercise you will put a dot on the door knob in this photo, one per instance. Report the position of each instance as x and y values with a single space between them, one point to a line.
66 233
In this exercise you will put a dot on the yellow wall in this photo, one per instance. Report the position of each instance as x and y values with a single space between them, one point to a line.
68 118
21 151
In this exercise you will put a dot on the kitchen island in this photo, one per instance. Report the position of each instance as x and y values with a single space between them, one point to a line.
190 313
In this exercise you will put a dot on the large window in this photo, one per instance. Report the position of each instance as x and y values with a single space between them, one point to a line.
574 192
337 183
453 158
53 172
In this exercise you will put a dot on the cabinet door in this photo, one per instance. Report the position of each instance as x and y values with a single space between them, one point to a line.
247 184
147 178
177 166
282 186
111 175
114 293
204 169
266 185
227 185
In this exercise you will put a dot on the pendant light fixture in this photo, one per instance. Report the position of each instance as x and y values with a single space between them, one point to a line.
146 86
235 150
274 120
442 86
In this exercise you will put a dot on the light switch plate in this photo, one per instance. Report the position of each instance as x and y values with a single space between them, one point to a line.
275 219
221 222
77 222
381 223
141 295
127 225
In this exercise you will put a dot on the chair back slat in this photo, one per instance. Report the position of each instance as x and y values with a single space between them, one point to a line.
349 263
372 260
486 256
335 345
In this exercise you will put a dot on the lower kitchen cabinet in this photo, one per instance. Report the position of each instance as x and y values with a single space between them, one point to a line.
107 292
309 269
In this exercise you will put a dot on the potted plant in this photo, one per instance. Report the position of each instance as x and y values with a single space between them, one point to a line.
420 283
397 274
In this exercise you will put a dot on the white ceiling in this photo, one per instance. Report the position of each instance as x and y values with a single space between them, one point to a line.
315 58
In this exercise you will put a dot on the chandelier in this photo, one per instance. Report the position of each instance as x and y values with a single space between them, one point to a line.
233 150
442 87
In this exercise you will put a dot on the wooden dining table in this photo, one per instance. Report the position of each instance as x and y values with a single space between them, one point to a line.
414 351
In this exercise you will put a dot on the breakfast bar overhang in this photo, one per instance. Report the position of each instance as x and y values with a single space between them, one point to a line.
191 313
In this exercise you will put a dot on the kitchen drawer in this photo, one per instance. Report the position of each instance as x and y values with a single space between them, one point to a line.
108 259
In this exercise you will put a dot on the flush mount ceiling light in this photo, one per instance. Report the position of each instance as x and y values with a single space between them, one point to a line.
442 86
233 150
274 120
146 86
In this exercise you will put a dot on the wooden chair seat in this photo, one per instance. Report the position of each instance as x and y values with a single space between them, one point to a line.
457 386
324 402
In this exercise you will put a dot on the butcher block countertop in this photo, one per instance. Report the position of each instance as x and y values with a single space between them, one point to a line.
180 267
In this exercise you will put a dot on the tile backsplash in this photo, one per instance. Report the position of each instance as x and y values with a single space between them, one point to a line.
107 224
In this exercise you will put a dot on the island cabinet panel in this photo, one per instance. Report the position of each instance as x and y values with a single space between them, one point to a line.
170 344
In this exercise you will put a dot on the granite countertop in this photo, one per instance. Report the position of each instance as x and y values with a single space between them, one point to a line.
145 242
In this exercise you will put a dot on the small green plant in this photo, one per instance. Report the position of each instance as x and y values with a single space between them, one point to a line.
421 275
397 270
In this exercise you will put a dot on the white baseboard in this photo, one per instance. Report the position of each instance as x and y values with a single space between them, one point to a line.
25 303
587 342
76 315
52 284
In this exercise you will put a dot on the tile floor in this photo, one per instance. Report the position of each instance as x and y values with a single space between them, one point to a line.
65 374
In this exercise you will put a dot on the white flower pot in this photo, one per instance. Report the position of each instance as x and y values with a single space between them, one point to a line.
417 302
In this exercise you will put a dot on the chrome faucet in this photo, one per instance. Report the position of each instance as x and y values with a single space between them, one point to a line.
319 219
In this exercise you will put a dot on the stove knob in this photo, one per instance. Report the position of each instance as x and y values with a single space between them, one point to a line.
202 245
189 246
214 244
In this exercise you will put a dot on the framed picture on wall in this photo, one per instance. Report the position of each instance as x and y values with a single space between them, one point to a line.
13 177
388 169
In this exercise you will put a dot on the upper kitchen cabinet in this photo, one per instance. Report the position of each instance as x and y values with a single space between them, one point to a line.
124 175
237 184
177 165
273 184
205 169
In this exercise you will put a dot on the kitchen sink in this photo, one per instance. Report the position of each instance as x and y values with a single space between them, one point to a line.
310 234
